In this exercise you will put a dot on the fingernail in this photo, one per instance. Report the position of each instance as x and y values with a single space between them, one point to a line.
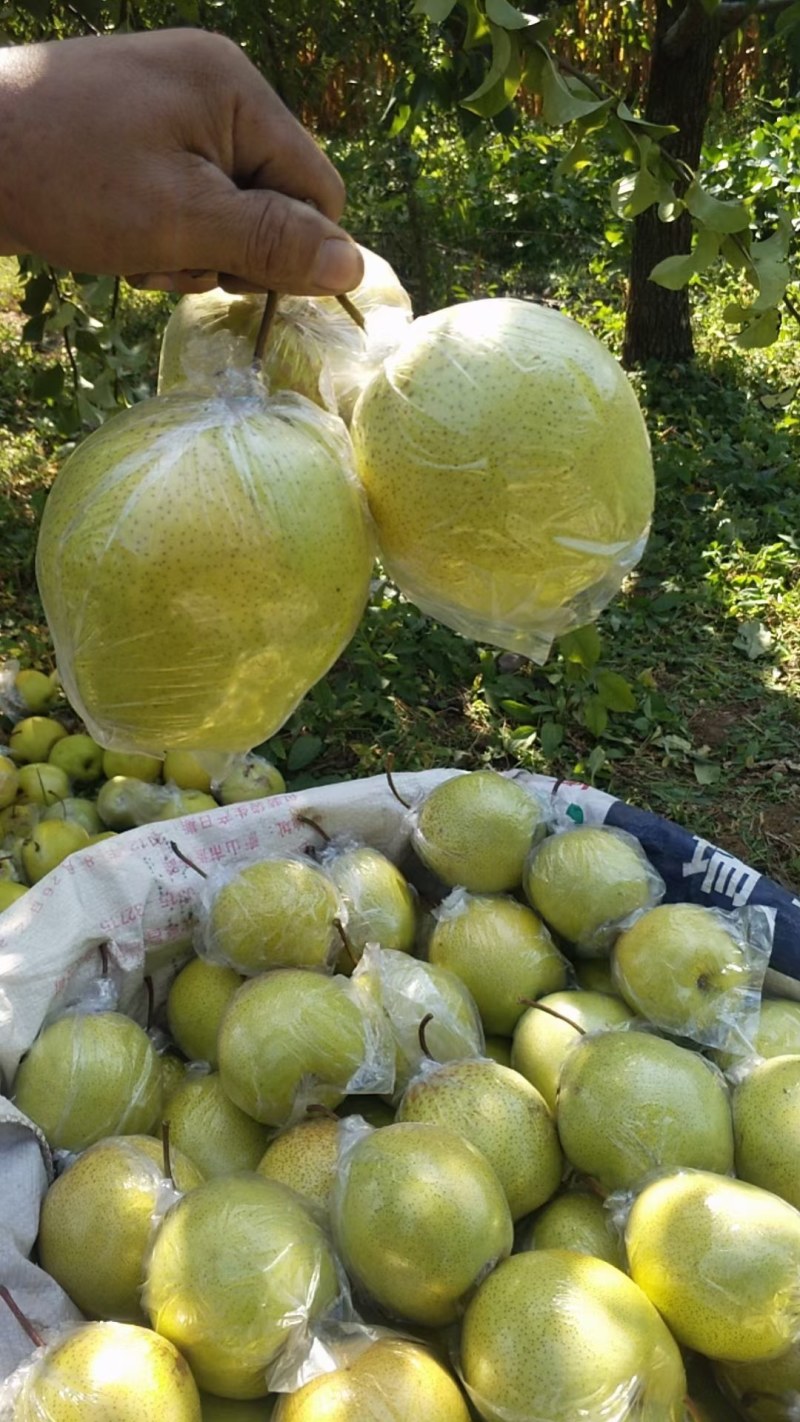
338 265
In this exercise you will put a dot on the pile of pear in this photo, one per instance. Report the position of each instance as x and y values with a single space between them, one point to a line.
61 792
423 1153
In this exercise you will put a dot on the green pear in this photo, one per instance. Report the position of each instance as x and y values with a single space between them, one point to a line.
79 756
124 802
77 810
42 784
241 507
9 782
305 1157
766 1124
575 1220
594 975
501 951
630 1103
103 1371
555 1334
176 803
96 1221
508 471
206 1125
390 1379
720 1261
544 1034
419 1215
410 991
49 844
10 892
499 1049
186 770
475 830
173 1071
288 1032
36 690
765 1391
249 778
131 764
195 1005
380 905
228 1409
584 881
274 913
236 1269
33 738
686 970
777 1033
90 1075
502 1115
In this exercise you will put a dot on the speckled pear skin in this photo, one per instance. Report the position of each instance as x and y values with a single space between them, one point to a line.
202 562
575 1220
720 1259
393 1380
111 1372
195 1005
766 1123
555 1335
305 1158
213 1132
508 469
585 880
475 831
276 913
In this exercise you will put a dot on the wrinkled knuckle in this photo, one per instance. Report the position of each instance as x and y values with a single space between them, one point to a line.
268 248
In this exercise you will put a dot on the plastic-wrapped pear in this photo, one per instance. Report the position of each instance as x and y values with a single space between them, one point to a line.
584 881
766 1124
202 562
475 830
508 469
388 1379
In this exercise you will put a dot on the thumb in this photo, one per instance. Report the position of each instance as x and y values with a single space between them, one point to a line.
266 240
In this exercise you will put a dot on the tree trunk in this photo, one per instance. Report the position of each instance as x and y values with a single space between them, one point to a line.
657 321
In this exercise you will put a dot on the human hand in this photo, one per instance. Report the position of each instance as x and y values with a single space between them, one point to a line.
165 157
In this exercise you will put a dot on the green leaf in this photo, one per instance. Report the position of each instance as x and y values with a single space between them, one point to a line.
614 691
736 251
711 212
763 331
37 293
48 384
595 716
33 330
303 751
596 761
706 773
477 25
516 710
788 19
551 737
583 646
675 272
501 13
436 10
710 6
562 100
503 79
771 269
635 192
653 130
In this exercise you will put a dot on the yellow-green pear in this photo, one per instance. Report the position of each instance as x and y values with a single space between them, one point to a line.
556 1334
380 906
390 1379
419 1215
125 801
687 969
575 1220
764 1392
630 1103
501 952
508 470
42 783
274 913
79 756
545 1033
766 1125
37 691
499 1049
9 781
305 1157
228 1409
720 1259
293 1033
32 739
77 810
10 892
109 1372
90 1075
594 975
186 770
195 1005
584 881
97 1218
175 803
777 1033
223 541
500 1113
210 1129
132 765
475 830
173 1071
250 777
237 1268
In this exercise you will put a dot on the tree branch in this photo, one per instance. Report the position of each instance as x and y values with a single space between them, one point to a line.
733 13
690 24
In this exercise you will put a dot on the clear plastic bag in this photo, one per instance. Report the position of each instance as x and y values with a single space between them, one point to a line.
380 906
585 880
508 469
202 562
476 829
279 912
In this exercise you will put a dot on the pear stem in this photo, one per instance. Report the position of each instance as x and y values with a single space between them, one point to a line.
151 1001
312 824
339 926
551 1012
25 1323
422 1038
168 1175
103 951
389 767
317 1112
352 311
186 860
270 307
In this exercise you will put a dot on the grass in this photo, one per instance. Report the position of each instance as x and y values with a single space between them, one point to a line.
706 633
